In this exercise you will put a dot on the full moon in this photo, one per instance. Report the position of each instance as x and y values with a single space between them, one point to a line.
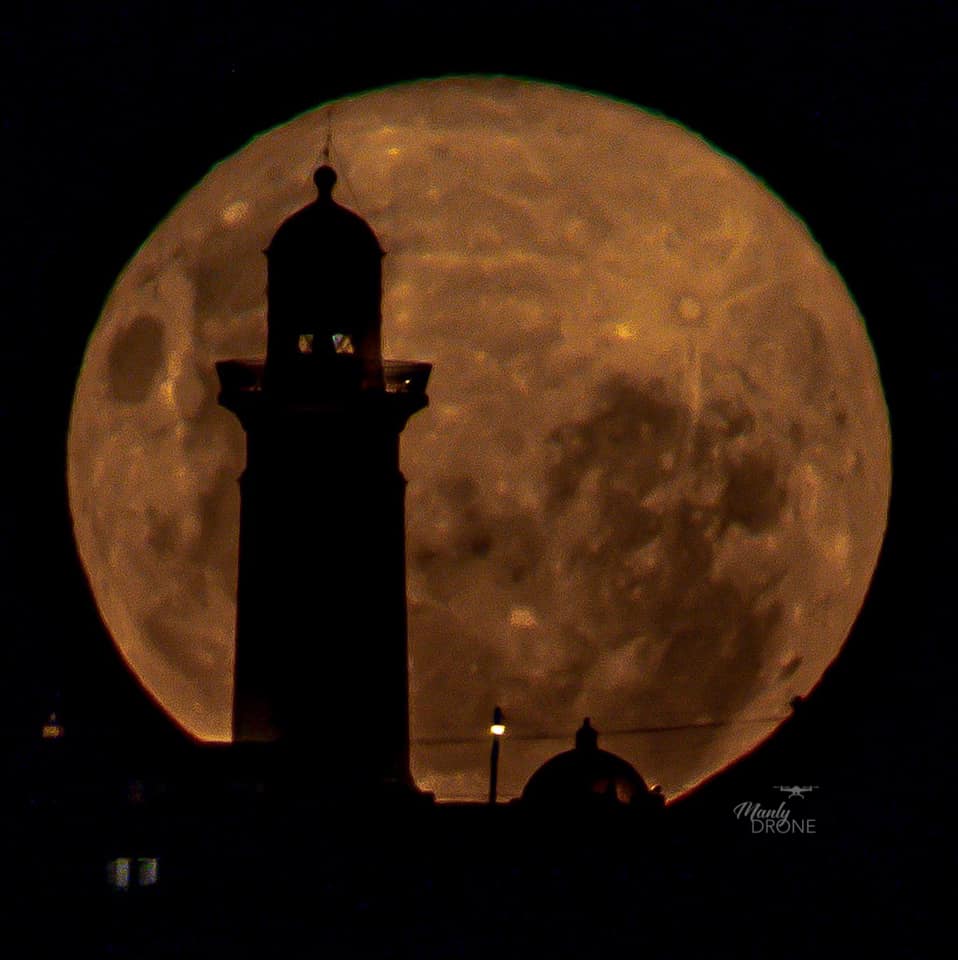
652 483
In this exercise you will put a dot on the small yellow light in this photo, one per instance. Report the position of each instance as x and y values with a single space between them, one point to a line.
52 730
497 729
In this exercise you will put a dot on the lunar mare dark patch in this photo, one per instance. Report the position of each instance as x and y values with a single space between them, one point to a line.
627 437
635 570
754 493
715 633
135 359
163 534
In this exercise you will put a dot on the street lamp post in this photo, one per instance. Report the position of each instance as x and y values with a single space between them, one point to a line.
497 729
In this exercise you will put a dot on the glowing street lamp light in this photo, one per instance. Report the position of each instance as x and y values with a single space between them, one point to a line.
497 729
52 729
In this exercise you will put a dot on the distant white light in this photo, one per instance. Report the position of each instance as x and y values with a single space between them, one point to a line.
497 729
118 873
146 868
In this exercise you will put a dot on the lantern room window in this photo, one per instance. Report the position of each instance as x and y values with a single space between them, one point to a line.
342 343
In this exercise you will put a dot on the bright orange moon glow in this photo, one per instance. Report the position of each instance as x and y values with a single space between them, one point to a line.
653 481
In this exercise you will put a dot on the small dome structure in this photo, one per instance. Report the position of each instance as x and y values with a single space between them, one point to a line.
589 776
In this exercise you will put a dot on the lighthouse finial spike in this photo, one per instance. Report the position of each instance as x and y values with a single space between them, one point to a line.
329 134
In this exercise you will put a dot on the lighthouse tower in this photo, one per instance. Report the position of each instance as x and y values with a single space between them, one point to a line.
321 650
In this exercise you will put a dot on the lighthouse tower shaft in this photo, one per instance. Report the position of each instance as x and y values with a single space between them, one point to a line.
321 605
321 649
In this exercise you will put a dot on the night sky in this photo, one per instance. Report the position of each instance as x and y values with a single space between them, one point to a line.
846 111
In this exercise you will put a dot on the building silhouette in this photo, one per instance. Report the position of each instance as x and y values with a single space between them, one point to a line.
588 778
321 645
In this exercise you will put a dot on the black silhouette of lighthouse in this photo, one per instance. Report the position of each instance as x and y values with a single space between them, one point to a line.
321 648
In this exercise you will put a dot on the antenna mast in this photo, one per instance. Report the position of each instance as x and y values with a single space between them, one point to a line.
329 135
